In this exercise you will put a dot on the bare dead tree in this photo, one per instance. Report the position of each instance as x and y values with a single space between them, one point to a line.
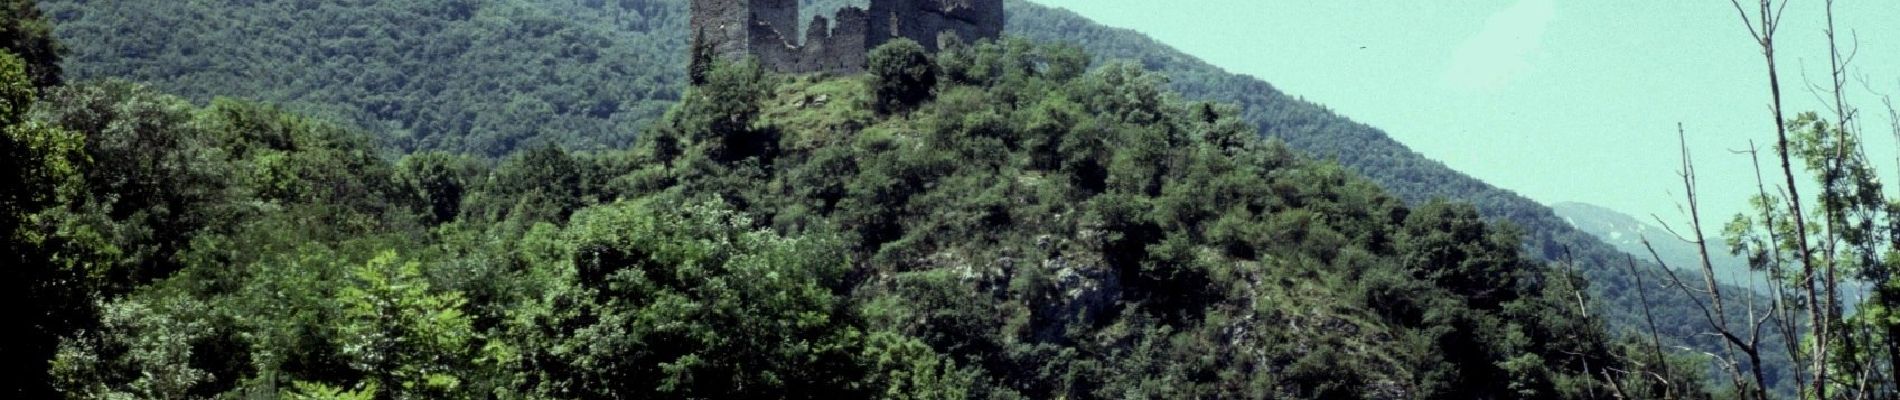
1715 311
1732 341
1893 117
1855 205
1768 257
1655 337
1583 311
1832 174
1762 26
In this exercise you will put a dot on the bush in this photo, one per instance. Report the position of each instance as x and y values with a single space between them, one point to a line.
901 75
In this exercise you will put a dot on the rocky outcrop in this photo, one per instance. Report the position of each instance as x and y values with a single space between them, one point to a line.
1086 293
767 30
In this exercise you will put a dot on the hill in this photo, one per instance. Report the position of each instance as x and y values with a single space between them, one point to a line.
996 221
489 77
476 76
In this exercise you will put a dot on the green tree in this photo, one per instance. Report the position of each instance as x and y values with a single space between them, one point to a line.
902 75
25 33
145 348
908 369
716 118
42 276
700 63
400 333
1451 245
438 181
164 182
41 161
538 185
318 391
693 302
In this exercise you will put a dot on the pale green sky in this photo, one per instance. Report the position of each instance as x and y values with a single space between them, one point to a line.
1559 100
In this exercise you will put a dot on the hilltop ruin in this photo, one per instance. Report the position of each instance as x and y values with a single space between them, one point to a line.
767 30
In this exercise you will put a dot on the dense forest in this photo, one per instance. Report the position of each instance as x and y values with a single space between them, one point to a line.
480 77
490 77
997 220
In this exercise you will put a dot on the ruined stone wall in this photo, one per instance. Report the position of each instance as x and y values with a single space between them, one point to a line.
841 47
923 20
765 29
774 31
722 26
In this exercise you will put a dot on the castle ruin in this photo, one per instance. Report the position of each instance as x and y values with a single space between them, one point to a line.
767 30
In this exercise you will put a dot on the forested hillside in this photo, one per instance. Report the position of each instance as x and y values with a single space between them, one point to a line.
487 77
1319 132
482 77
995 221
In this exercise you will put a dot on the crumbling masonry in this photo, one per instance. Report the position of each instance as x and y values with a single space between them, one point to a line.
766 29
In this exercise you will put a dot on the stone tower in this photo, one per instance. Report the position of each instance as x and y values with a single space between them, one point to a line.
766 30
736 28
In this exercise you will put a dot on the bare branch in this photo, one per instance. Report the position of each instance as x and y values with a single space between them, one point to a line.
1746 21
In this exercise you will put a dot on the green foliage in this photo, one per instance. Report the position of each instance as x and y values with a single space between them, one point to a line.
482 77
902 75
1846 258
160 183
590 75
202 219
439 182
42 276
43 161
699 63
1369 152
155 337
1451 246
909 369
693 303
536 185
16 90
399 333
1028 228
27 35
318 391
1088 236
716 118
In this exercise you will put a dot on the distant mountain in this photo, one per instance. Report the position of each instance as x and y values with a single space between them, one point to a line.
1627 233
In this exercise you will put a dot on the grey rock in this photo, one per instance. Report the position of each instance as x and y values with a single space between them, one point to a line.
1088 292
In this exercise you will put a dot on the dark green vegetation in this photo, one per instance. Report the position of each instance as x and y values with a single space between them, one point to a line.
476 76
996 221
489 77
25 33
1319 132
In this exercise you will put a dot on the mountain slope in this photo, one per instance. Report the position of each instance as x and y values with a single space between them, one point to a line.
591 74
1013 227
477 76
1320 132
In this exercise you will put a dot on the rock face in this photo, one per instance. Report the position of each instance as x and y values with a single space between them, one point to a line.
766 29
